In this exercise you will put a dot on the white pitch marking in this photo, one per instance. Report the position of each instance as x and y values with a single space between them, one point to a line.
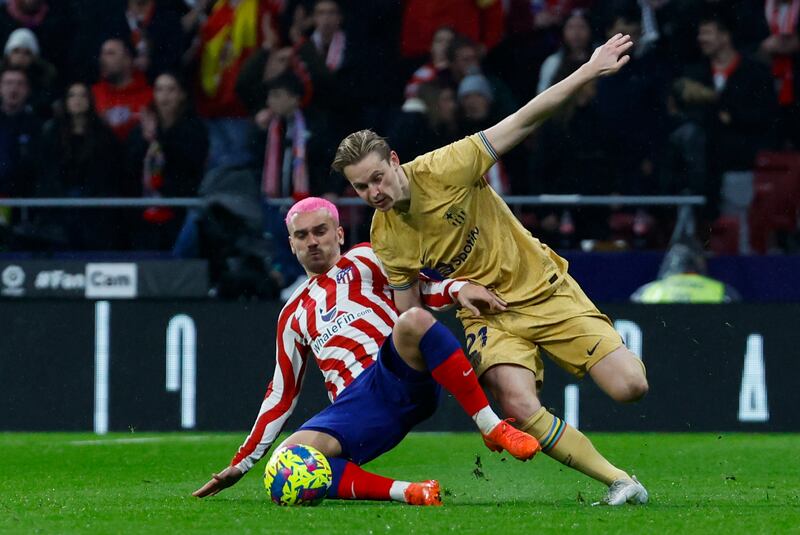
143 440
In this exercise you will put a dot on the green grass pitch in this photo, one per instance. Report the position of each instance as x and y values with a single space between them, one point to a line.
141 483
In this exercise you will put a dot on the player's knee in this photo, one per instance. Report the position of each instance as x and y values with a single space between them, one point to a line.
518 405
414 322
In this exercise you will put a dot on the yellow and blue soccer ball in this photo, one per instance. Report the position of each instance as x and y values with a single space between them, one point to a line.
297 475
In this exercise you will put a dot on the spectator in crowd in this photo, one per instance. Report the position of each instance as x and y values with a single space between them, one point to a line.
479 20
229 36
268 62
533 31
575 50
154 29
734 95
570 155
296 148
22 51
683 164
167 153
781 48
327 55
477 112
122 92
682 278
634 102
436 66
19 135
81 157
47 19
427 120
464 56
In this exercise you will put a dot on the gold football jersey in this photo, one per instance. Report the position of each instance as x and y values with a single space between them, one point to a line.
458 226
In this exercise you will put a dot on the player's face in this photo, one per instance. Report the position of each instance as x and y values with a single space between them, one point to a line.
315 240
377 181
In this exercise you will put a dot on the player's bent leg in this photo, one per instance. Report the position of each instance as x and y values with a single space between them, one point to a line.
351 482
407 333
514 387
621 375
443 357
328 445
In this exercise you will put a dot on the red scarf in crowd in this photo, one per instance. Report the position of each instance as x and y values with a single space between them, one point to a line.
335 56
783 21
274 182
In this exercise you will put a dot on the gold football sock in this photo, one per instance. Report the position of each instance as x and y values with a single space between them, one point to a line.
566 444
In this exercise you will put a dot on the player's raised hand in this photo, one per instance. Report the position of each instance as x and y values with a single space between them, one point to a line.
611 56
226 478
474 297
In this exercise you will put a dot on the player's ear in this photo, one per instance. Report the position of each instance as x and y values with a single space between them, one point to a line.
394 159
340 235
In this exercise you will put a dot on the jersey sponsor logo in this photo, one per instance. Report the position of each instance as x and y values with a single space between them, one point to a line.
455 215
326 316
336 327
345 276
446 269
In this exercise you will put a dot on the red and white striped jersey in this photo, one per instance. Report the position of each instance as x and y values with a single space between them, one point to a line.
342 318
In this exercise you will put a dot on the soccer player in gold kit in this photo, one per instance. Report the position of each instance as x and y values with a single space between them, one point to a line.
438 212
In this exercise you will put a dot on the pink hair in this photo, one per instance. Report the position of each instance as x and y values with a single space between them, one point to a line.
311 204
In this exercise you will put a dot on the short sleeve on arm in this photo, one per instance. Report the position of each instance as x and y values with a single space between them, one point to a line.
398 252
461 163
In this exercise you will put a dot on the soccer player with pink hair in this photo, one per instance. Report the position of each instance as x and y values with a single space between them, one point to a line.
383 370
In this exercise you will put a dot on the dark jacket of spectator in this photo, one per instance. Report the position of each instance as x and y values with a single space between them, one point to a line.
184 146
739 122
19 136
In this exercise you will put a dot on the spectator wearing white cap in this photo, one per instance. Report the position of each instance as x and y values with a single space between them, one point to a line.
21 51
476 101
49 20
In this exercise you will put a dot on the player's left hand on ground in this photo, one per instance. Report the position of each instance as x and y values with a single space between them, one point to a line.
474 297
218 482
610 57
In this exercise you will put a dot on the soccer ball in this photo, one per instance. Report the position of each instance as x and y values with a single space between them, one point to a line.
297 475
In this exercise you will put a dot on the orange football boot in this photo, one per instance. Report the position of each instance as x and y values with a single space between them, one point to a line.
424 493
507 437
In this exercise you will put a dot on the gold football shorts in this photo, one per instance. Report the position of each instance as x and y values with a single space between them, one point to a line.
566 325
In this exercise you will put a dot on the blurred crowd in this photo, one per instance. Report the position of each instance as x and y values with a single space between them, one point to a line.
247 99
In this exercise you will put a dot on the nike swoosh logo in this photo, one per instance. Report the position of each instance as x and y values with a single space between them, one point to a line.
590 352
353 489
466 373
326 316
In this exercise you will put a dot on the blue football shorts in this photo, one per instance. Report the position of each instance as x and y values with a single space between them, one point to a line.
378 409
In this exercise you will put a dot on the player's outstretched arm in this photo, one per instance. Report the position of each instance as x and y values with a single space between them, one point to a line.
226 478
606 60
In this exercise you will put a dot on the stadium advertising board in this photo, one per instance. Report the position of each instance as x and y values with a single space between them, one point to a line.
69 279
157 365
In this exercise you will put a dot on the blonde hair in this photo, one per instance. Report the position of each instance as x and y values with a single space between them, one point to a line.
356 146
